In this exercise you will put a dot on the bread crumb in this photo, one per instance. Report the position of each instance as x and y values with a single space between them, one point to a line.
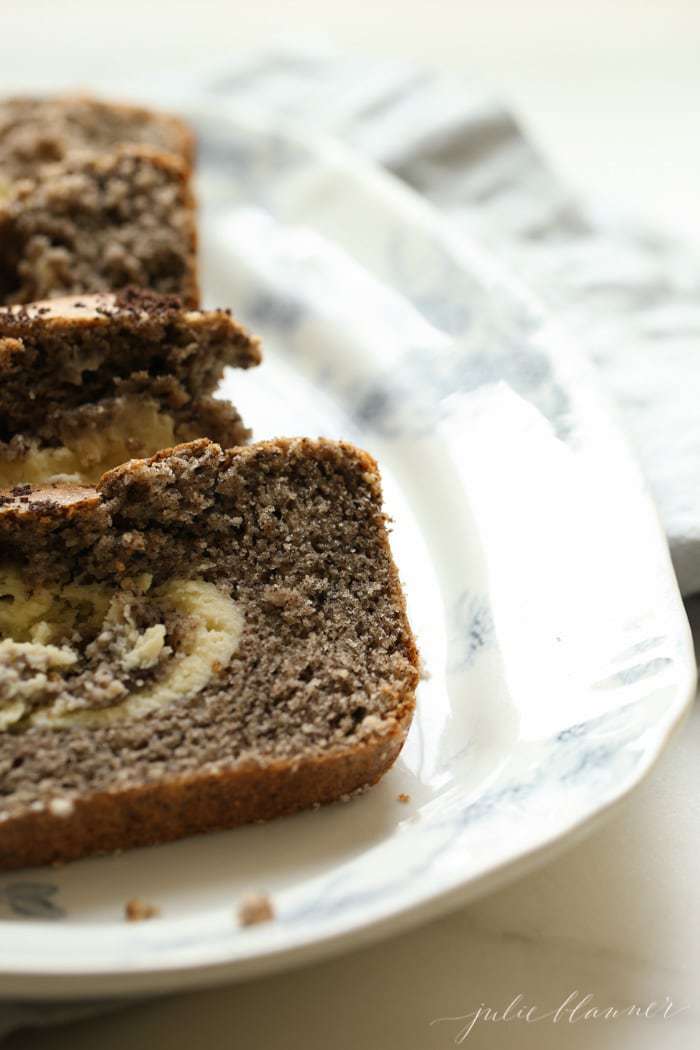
255 908
61 807
403 797
137 911
370 724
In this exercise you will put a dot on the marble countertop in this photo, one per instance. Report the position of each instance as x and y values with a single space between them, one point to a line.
610 91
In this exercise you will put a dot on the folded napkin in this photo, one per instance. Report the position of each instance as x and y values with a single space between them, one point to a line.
630 297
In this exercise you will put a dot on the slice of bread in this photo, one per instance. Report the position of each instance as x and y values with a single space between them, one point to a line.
88 383
208 638
37 131
98 222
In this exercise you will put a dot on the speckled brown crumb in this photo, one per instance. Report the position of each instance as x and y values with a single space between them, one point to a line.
38 131
254 909
98 222
136 910
403 797
315 702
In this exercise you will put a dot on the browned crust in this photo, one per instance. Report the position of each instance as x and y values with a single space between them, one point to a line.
280 445
169 810
63 501
130 307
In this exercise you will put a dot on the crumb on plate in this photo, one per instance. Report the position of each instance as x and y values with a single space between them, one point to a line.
255 908
137 911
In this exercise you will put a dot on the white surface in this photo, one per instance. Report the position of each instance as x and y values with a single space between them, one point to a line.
611 91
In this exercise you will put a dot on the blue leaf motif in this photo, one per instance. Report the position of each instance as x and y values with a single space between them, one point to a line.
283 313
472 631
411 400
32 899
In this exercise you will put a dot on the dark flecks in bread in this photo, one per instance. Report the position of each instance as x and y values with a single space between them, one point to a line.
326 668
38 131
99 222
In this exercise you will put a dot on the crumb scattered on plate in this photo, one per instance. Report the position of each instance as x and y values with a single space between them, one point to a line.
403 797
255 908
136 910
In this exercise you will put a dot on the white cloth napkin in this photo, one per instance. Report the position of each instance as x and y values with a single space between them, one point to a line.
630 296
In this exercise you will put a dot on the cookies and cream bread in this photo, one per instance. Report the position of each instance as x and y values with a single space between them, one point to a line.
38 131
91 381
206 638
96 222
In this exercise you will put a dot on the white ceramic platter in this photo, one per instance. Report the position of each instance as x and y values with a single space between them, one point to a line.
556 649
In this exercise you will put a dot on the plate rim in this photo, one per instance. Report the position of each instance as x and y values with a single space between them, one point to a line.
136 981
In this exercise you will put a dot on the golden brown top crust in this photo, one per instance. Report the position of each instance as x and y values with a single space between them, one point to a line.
187 450
130 307
203 448
73 308
100 307
69 501
64 501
